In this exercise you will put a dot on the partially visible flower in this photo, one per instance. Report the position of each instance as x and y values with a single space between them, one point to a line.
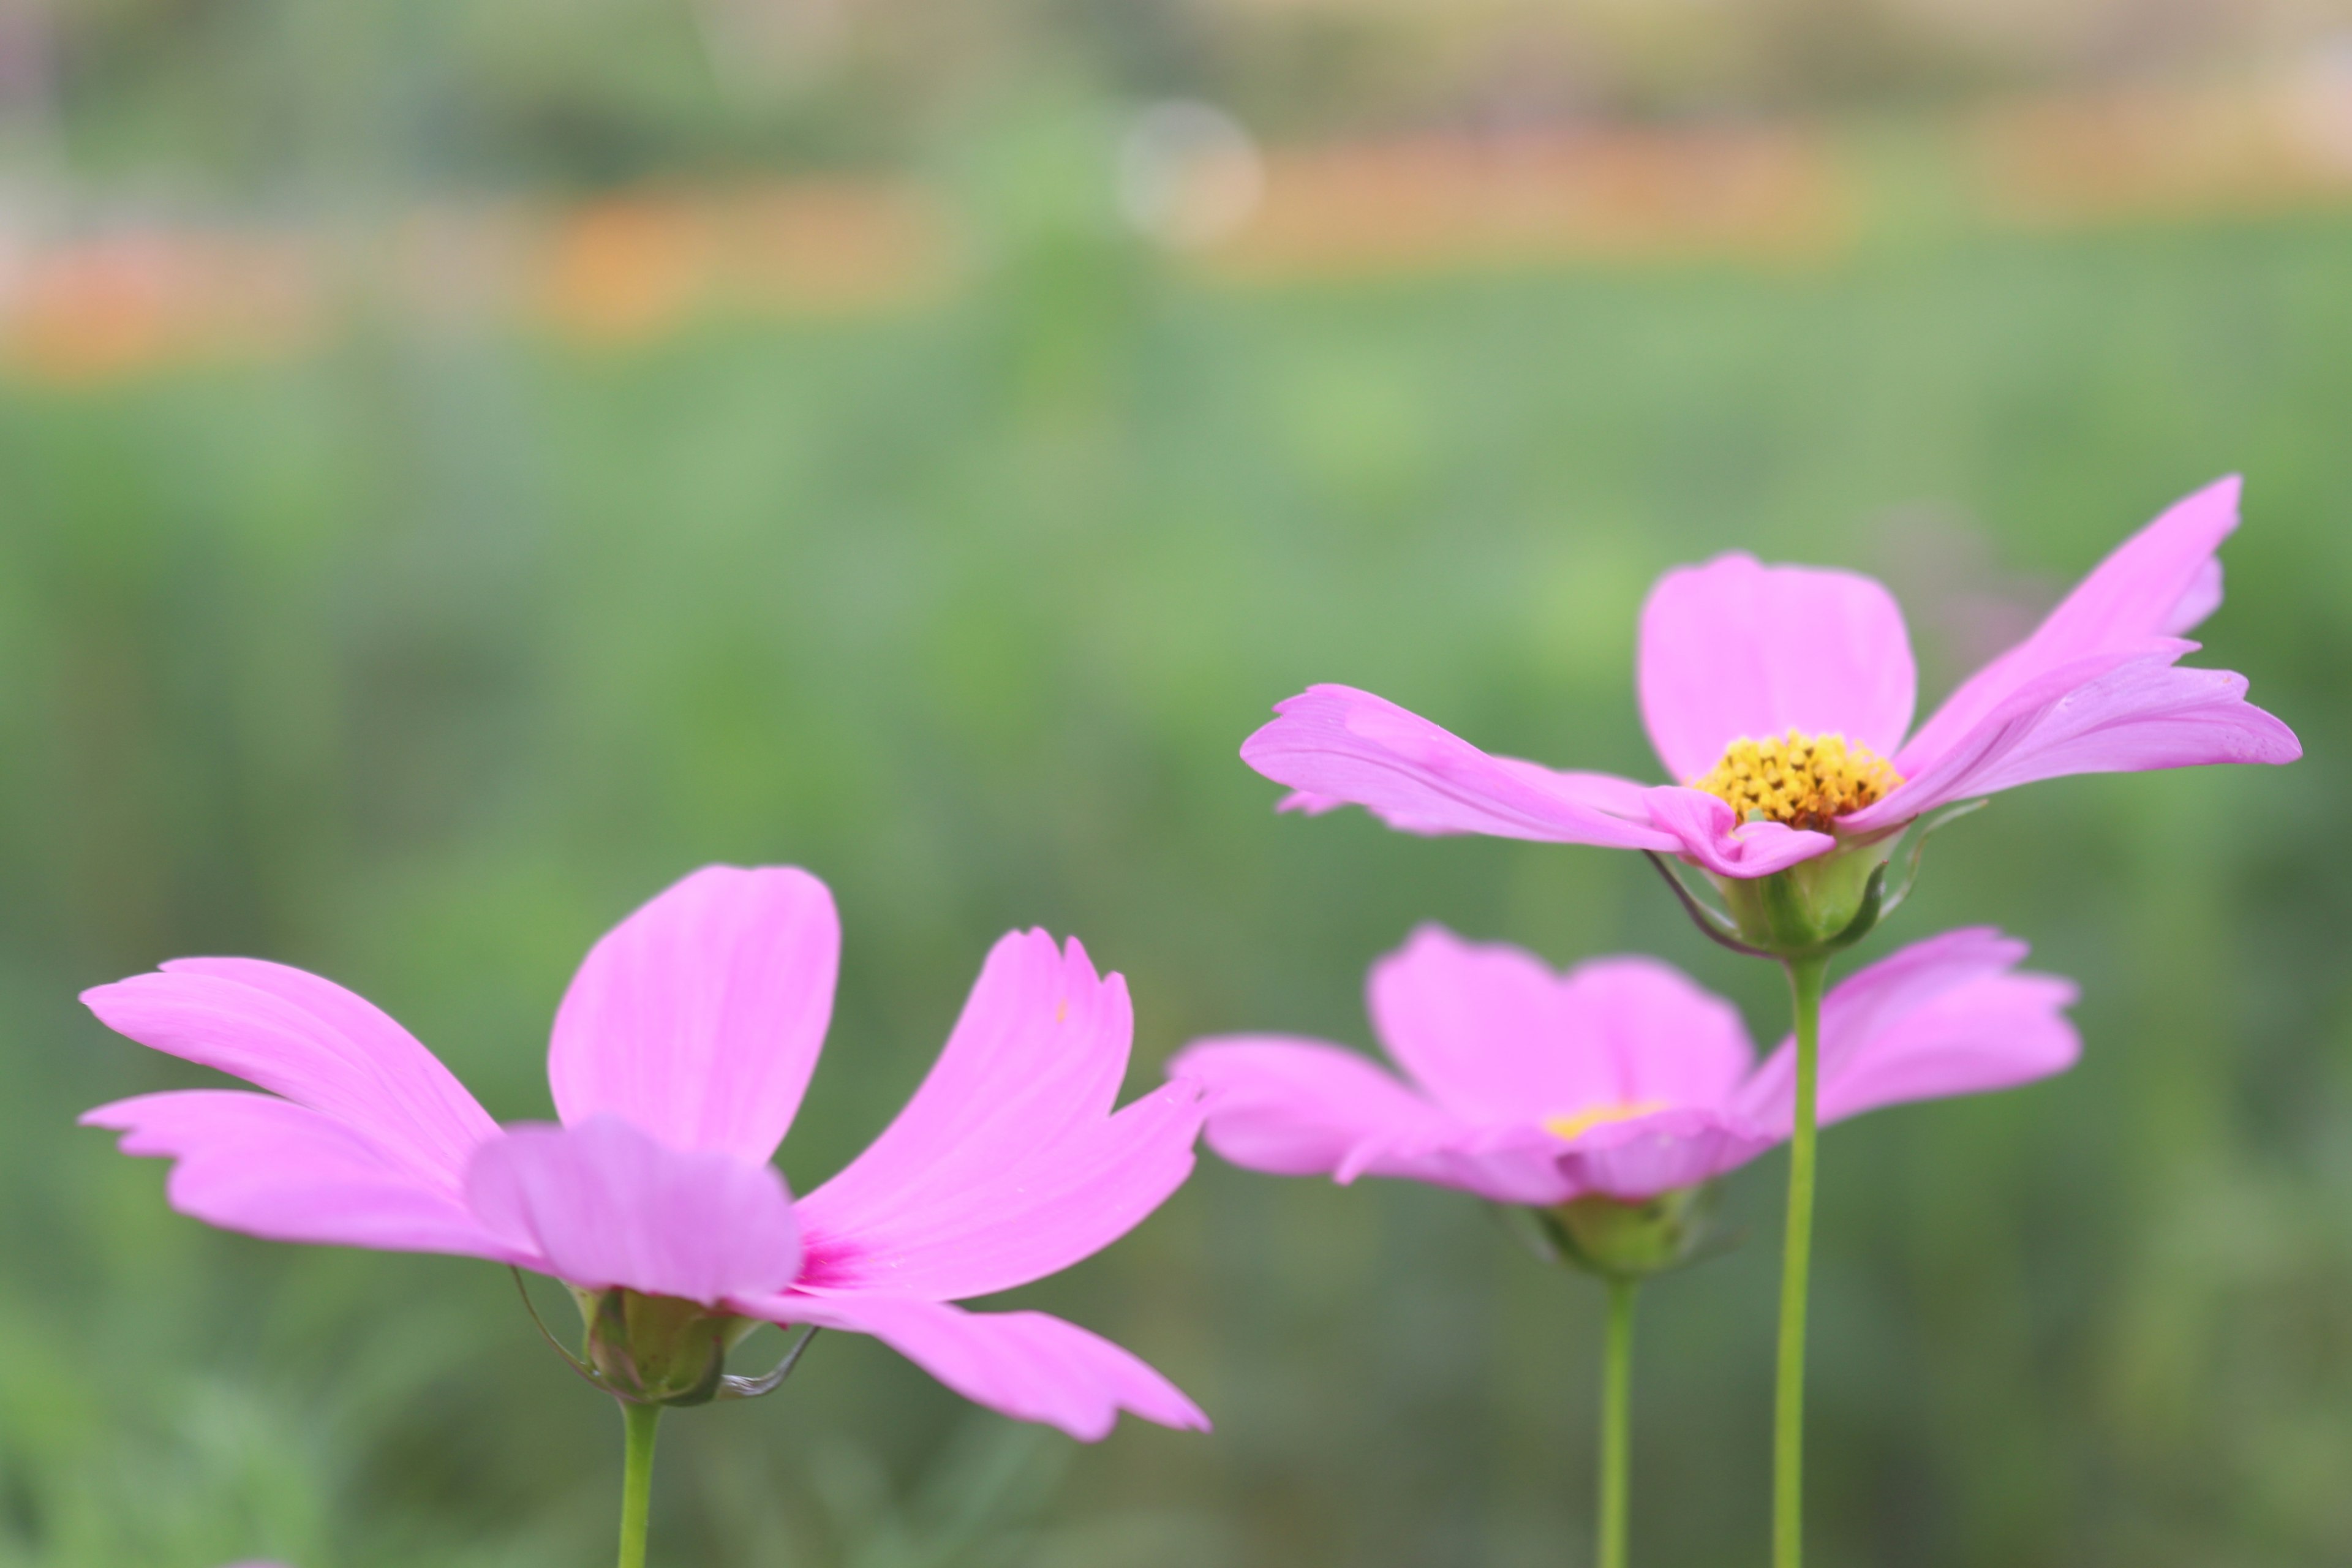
679 1056
1621 1079
1778 698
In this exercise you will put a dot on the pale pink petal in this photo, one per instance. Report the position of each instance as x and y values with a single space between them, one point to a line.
604 1204
1736 649
699 1017
2202 598
1708 834
1298 1108
1301 1108
1512 1164
268 1167
1643 1157
1496 1037
2154 586
1941 1016
1627 798
1997 1031
1008 1163
311 1041
1027 1365
1041 1213
2099 715
1038 1052
1667 1041
1335 744
1483 1030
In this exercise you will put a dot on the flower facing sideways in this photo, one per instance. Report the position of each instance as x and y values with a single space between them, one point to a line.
1780 699
1620 1079
678 1058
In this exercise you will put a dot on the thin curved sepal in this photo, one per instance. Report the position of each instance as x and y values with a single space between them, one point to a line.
732 1387
1522 1226
1915 846
1713 923
587 1372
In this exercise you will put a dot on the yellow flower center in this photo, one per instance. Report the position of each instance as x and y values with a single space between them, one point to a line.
1598 1116
1805 781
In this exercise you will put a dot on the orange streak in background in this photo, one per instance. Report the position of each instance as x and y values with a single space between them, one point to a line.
2140 152
632 268
1439 202
121 305
638 267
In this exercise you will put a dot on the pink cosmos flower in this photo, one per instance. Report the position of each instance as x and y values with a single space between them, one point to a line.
1778 698
679 1055
1619 1079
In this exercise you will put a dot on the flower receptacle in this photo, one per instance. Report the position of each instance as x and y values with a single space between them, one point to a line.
1620 1240
657 1350
1814 906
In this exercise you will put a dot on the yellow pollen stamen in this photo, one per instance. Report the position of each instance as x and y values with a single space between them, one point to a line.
1600 1116
1805 781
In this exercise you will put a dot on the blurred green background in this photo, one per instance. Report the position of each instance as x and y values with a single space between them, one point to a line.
419 651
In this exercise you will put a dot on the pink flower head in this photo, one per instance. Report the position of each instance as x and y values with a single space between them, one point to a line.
1780 698
1619 1079
679 1055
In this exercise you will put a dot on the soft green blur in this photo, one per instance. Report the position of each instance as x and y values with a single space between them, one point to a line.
421 659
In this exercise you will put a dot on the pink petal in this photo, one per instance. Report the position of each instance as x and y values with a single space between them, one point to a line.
602 1205
313 1043
268 1167
699 1017
2154 586
1301 1108
1007 1165
1334 745
1026 1365
2099 715
1035 1218
1643 1157
1709 835
1298 1108
1737 648
1496 1037
1940 1017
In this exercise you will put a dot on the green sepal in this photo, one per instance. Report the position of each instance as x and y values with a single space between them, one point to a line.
659 1350
1622 1240
674 1334
1817 907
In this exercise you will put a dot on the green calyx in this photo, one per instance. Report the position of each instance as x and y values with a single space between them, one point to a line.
1632 1241
653 1351
1815 907
659 1350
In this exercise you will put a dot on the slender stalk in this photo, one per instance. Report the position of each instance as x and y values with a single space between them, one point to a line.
640 1421
1616 1423
1806 976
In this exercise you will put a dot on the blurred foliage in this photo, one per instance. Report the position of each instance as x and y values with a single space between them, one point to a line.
418 662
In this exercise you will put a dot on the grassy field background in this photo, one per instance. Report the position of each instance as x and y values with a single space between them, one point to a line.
420 659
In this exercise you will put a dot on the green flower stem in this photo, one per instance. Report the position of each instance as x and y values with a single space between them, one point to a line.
641 1422
1616 1422
1806 976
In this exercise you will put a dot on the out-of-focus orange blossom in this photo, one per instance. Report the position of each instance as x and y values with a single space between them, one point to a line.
637 266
